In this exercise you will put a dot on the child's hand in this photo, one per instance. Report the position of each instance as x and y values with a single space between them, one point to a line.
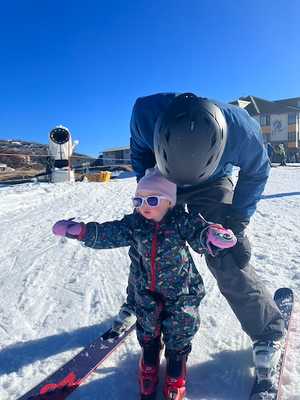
218 238
69 229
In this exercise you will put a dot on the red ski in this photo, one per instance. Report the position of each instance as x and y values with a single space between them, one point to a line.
67 378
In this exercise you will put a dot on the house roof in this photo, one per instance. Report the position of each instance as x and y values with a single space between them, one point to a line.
257 105
293 102
116 149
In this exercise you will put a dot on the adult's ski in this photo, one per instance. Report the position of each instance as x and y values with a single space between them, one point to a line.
67 378
269 389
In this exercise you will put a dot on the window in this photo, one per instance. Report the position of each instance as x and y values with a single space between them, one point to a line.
292 136
265 120
292 118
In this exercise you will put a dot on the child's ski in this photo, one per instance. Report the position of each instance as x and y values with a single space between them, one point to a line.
270 389
66 379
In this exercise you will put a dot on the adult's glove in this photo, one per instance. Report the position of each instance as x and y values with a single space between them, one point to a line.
241 252
70 229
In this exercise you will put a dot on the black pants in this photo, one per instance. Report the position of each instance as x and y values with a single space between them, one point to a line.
250 301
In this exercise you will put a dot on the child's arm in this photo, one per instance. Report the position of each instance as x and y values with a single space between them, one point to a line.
109 235
100 236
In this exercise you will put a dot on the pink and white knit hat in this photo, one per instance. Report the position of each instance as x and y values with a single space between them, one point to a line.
155 182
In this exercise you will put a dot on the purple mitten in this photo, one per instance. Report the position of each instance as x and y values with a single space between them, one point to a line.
214 238
220 238
70 229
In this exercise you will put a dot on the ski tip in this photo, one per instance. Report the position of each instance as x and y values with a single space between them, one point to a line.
283 292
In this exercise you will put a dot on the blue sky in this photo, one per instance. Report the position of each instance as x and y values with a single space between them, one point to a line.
83 63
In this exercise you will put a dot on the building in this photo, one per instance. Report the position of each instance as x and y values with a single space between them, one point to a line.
279 120
116 156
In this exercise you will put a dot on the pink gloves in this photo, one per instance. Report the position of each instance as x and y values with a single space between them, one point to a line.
215 238
70 229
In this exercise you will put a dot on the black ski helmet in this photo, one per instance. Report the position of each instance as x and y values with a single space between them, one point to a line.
189 139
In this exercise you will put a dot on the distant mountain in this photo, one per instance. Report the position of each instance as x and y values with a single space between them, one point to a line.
21 154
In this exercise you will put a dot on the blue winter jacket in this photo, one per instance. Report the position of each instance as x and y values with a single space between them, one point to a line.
244 149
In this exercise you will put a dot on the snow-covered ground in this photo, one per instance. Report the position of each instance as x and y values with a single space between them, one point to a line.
56 297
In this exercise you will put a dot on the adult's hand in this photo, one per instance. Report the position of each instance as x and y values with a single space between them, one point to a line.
241 252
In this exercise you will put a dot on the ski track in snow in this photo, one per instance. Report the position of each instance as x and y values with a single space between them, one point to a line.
57 296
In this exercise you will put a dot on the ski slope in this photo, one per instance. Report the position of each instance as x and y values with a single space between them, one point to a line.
56 296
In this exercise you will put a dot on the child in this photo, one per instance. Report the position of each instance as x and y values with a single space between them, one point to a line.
167 286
